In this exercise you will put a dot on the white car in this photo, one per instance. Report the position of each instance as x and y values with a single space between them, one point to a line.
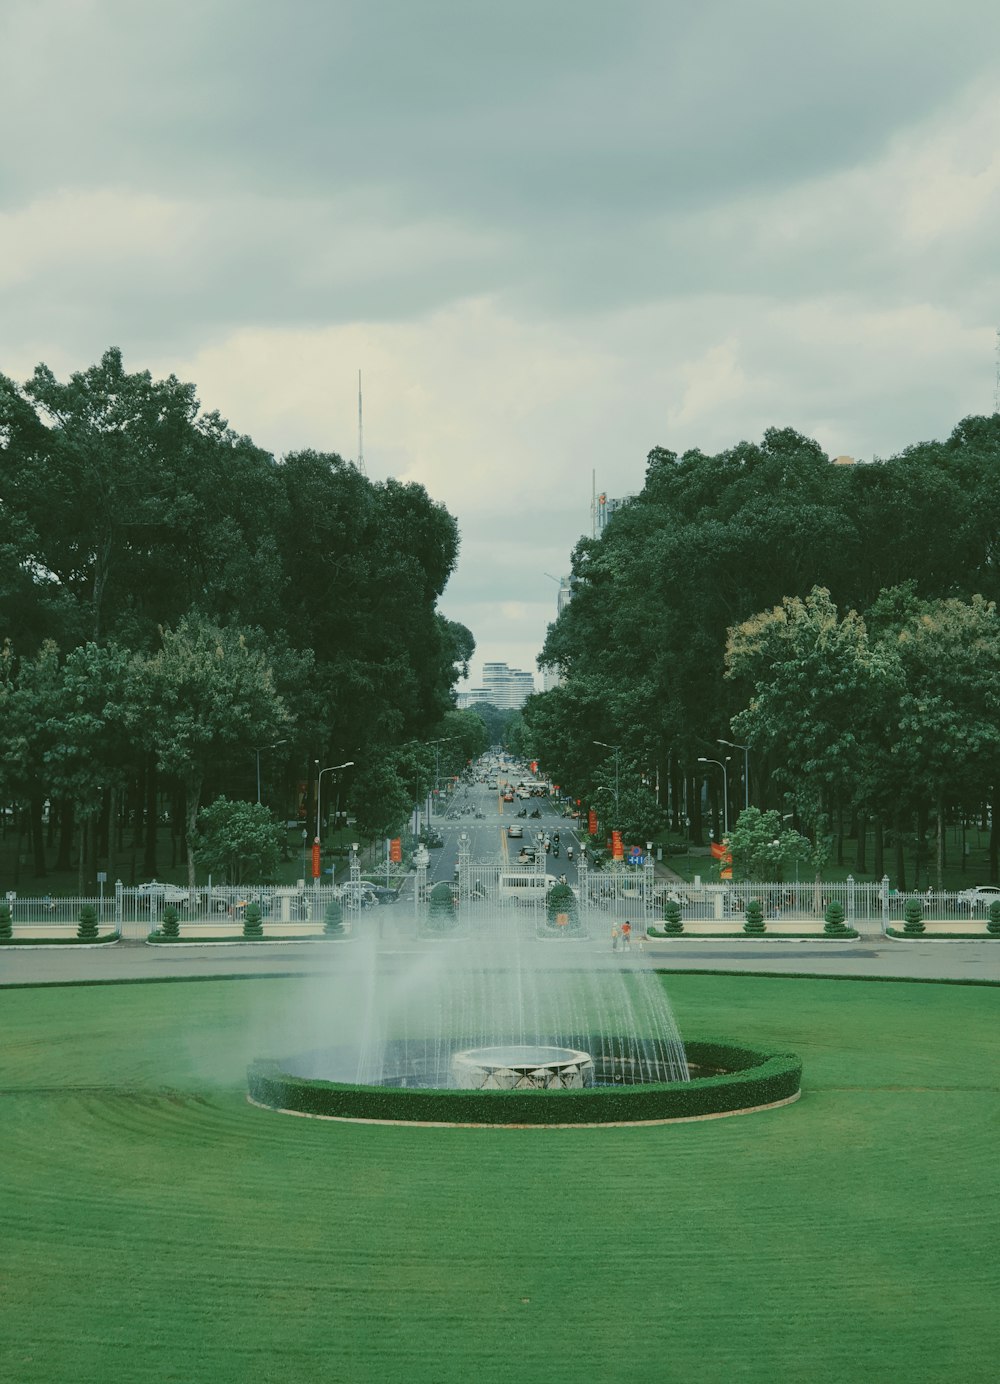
163 893
515 830
980 897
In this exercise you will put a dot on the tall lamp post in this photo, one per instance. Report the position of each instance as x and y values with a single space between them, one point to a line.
330 769
257 752
746 768
445 740
725 788
617 752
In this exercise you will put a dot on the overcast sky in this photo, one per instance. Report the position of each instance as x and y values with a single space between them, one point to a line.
553 235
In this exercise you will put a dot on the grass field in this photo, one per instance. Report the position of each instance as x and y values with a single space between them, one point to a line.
153 1226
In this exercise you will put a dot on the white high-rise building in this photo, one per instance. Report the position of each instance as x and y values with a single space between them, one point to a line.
507 688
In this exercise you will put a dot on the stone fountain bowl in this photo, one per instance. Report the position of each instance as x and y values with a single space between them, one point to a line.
418 1087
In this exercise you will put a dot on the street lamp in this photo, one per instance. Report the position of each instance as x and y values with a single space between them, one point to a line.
725 787
617 752
746 768
257 753
330 769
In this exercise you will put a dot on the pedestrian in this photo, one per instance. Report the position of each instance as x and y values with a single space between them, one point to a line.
626 935
614 937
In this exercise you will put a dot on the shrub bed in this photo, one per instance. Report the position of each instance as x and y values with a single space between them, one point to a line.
750 1078
660 935
942 936
98 941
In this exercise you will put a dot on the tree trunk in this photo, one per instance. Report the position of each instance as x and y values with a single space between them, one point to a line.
82 856
860 855
150 837
37 836
900 853
111 849
940 845
64 860
192 800
994 844
694 810
921 868
878 833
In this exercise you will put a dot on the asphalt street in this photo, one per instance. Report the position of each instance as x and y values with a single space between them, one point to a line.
394 927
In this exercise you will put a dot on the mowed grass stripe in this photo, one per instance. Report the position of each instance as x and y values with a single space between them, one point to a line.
172 1231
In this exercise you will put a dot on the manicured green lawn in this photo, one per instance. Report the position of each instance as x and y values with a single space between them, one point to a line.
153 1226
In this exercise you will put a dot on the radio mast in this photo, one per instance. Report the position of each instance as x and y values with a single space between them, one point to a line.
361 432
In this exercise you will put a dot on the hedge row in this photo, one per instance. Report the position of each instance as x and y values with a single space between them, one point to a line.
943 936
751 1078
659 935
104 938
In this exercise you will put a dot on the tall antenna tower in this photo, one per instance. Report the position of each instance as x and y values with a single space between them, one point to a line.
996 383
361 432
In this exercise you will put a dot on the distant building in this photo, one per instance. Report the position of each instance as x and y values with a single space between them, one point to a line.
507 688
604 507
843 461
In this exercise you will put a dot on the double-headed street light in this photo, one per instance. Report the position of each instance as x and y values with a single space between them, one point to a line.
725 787
257 752
746 768
330 769
617 752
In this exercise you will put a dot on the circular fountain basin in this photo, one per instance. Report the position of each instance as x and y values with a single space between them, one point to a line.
522 1067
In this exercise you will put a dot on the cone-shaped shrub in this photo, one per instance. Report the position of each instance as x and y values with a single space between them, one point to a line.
86 928
170 923
333 919
992 919
441 913
833 920
673 923
913 918
6 926
561 911
754 921
253 923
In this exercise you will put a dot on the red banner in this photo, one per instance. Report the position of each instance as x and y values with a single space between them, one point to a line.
591 822
316 864
534 766
396 850
718 850
617 849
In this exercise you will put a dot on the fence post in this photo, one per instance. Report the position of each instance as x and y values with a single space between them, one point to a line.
851 914
648 881
885 905
118 906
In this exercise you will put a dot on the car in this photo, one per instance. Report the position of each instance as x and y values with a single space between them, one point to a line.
384 894
981 896
513 830
358 894
162 893
433 839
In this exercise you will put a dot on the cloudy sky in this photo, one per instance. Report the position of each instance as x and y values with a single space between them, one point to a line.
553 234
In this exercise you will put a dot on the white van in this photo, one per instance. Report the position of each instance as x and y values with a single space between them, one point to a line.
525 886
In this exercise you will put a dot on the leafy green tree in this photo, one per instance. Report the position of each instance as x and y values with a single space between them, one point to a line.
333 919
562 911
253 922
913 918
238 841
673 921
833 920
992 919
6 924
441 915
380 798
204 693
86 928
761 843
753 922
170 922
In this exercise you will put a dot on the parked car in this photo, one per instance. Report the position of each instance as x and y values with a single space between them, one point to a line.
981 896
433 839
162 893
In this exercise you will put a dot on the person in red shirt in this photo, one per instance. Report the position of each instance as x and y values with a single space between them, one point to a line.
626 935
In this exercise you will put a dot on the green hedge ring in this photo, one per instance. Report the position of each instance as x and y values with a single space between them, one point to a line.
742 1080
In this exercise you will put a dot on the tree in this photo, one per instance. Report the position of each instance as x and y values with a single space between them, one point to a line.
833 921
238 841
86 929
441 914
760 844
673 923
992 919
6 924
253 922
333 919
753 922
562 911
205 692
913 918
170 923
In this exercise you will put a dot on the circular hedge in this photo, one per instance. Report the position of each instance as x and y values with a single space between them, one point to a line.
742 1079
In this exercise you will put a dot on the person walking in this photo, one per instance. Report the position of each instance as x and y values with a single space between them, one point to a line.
614 937
626 935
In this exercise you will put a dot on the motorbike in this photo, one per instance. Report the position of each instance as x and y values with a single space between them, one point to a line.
523 812
569 852
555 850
535 813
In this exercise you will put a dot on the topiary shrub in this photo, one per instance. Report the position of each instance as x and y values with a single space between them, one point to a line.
673 923
993 919
6 925
913 915
753 923
86 928
253 922
333 919
441 915
833 920
562 913
170 923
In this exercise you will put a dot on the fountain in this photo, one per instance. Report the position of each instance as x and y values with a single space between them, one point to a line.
493 1024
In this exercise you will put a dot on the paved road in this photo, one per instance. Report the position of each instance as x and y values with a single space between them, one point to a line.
395 929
